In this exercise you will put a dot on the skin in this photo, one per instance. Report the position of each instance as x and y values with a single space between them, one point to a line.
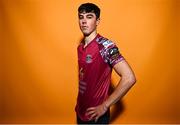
88 24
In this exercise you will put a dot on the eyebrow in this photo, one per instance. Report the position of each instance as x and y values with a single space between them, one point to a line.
90 14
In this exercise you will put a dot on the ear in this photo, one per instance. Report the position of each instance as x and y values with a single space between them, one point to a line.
97 21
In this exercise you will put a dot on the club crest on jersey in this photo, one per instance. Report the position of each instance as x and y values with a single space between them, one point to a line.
89 58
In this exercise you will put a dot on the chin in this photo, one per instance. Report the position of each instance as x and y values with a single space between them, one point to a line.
86 34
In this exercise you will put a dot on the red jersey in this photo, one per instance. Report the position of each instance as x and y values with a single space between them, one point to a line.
95 67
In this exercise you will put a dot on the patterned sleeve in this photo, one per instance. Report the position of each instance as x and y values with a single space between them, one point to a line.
110 53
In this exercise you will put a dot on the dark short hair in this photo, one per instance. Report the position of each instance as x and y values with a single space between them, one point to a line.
89 7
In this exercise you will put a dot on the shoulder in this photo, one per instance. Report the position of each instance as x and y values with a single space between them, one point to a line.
104 42
108 50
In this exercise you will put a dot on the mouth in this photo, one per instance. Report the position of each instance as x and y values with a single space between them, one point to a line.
84 27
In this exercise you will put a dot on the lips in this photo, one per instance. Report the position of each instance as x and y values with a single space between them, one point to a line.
84 27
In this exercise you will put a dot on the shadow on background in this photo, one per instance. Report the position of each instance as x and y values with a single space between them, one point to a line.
117 109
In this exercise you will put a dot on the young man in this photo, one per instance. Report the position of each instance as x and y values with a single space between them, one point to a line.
97 56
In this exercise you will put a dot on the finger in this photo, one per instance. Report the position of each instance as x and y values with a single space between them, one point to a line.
93 115
91 108
96 119
90 112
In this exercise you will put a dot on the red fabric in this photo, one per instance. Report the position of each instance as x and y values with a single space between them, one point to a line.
95 68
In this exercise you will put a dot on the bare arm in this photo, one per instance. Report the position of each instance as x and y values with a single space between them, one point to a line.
126 82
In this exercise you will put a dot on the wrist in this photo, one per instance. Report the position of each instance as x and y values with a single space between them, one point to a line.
105 106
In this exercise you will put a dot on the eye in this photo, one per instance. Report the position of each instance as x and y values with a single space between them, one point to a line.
89 16
80 17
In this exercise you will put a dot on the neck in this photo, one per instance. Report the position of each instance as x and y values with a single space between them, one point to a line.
90 37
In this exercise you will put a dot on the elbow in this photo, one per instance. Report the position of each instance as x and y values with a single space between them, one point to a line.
132 80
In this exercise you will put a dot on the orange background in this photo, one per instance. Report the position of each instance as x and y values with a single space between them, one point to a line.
39 60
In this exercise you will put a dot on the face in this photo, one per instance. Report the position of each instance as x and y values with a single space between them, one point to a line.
88 23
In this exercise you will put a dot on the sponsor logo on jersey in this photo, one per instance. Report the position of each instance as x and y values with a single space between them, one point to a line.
81 74
114 53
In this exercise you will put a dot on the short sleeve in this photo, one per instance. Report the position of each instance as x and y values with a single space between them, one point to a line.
111 53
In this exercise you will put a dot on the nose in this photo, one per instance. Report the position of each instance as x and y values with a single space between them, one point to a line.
84 21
